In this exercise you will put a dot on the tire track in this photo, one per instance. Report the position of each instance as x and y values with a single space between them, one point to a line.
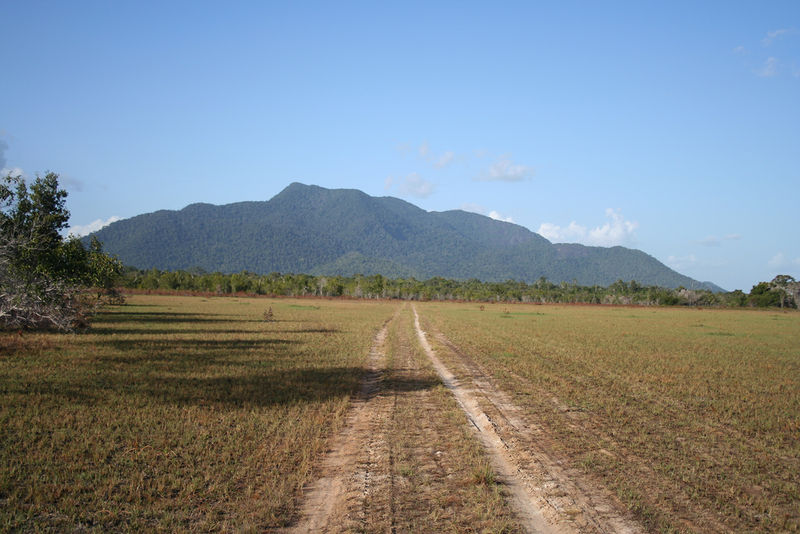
548 497
325 501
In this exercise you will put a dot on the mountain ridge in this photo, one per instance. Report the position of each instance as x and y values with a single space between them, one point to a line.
311 229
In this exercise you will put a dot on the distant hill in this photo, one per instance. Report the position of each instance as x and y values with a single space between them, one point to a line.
313 230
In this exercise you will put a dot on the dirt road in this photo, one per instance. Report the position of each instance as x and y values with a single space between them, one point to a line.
408 459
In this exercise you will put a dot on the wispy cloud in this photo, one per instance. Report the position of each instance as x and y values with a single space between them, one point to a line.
782 261
424 150
681 262
778 260
5 171
13 171
775 34
714 241
498 217
769 68
773 60
473 208
86 229
425 153
504 170
477 208
412 185
616 231
444 160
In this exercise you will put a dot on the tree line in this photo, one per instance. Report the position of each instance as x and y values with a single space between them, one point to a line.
48 280
783 291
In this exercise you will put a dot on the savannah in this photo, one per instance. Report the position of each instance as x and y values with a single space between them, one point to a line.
400 267
197 413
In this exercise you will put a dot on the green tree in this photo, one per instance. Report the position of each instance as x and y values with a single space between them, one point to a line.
43 276
762 296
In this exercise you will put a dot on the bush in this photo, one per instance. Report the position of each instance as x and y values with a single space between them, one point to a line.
44 278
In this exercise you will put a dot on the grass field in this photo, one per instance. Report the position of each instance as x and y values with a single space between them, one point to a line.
691 416
176 413
194 414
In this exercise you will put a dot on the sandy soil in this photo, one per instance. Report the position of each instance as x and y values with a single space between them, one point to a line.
324 508
396 466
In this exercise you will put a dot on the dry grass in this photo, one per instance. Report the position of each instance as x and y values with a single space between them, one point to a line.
691 416
196 414
441 478
176 413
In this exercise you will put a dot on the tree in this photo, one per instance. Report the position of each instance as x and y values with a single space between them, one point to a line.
43 276
787 288
762 296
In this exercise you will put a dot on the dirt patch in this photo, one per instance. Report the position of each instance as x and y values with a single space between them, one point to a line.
324 500
406 461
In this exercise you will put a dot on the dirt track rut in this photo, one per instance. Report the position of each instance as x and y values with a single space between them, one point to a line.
548 496
405 461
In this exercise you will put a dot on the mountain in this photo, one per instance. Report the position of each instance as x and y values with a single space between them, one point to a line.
313 230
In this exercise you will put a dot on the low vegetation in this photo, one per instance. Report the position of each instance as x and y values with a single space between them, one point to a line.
205 413
691 416
176 413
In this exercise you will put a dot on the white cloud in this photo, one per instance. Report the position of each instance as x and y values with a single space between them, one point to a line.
616 231
732 237
572 232
80 231
387 183
497 217
769 69
424 150
494 214
774 34
681 262
504 170
14 171
778 260
444 160
415 186
740 50
473 208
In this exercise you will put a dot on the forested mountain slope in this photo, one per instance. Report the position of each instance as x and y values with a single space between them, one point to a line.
343 231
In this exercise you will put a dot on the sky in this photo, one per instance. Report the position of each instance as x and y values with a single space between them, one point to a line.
671 127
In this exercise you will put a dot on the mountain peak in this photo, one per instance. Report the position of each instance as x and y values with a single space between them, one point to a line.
311 229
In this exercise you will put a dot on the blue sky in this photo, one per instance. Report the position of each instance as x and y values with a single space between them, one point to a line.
671 127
